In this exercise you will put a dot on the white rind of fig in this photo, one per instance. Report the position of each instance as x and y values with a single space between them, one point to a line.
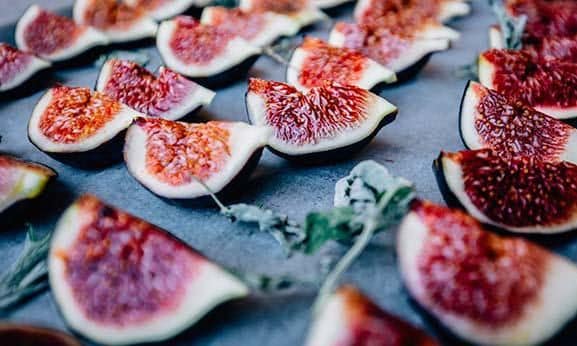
547 314
277 25
487 76
198 97
121 121
331 325
89 38
34 66
326 4
308 16
449 9
473 140
244 141
171 8
373 74
144 28
377 109
496 38
29 181
210 287
453 175
236 52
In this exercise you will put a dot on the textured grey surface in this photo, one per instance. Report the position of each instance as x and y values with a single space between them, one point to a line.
426 124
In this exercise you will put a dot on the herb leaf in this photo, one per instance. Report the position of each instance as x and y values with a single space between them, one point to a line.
512 28
27 275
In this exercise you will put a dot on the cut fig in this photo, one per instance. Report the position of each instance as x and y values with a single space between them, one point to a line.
170 95
17 67
74 120
119 280
520 194
485 288
316 61
23 335
209 54
20 180
116 19
409 13
303 11
179 160
259 29
165 9
550 86
350 319
322 124
491 120
54 37
403 54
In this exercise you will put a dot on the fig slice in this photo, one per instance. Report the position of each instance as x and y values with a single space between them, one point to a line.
303 11
485 288
323 123
116 19
17 67
491 120
316 61
120 280
403 54
210 54
54 37
170 95
349 319
75 120
548 85
165 9
520 194
259 29
20 180
170 158
22 335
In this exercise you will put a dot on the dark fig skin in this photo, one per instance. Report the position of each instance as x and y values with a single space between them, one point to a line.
22 335
340 10
462 104
449 197
412 71
41 80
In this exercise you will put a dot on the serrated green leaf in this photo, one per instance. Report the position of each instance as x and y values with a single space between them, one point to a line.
323 227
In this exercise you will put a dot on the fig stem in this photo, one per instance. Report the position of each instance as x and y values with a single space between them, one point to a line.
212 195
271 53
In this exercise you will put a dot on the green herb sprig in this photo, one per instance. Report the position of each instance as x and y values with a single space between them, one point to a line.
512 28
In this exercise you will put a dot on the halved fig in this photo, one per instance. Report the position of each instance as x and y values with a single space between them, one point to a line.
73 120
119 280
17 67
403 54
20 180
409 13
485 288
303 11
23 335
165 9
116 19
316 61
54 37
171 158
259 29
170 95
322 124
489 119
210 54
520 194
348 318
548 85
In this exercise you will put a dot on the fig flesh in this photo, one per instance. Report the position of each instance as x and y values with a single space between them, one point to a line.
491 120
116 19
350 319
20 180
23 335
316 61
303 11
170 95
159 286
171 158
327 121
165 9
519 194
485 288
17 67
75 120
209 54
259 29
548 85
54 37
